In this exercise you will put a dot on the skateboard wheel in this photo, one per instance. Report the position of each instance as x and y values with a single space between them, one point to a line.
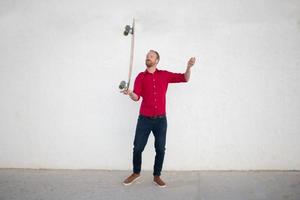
122 85
127 30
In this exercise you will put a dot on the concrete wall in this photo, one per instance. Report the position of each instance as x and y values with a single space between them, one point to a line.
61 63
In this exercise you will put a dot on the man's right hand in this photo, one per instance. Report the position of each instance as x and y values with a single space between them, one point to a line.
131 94
126 91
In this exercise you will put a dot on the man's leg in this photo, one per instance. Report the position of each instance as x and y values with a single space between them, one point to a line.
142 132
143 129
159 131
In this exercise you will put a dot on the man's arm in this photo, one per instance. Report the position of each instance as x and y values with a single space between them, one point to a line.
131 94
190 64
136 93
187 74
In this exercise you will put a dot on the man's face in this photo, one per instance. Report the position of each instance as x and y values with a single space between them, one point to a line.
151 59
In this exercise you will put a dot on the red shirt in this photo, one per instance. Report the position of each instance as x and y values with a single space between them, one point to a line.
153 87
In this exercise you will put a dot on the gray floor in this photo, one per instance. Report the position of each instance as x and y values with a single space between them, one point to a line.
97 184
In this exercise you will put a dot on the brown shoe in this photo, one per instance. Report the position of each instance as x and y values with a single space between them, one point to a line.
132 178
160 183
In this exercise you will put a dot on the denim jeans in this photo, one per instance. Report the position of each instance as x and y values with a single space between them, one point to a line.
143 129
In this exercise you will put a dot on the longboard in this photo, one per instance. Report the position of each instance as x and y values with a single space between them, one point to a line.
129 30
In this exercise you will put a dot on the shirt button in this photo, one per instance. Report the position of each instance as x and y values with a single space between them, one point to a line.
154 86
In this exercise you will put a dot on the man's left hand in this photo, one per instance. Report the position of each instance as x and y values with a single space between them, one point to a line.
191 62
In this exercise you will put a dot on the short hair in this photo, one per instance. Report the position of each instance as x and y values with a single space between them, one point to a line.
157 54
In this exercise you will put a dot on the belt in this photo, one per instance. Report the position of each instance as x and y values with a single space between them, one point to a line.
154 117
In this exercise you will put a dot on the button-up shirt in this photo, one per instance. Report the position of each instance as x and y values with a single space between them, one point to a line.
152 87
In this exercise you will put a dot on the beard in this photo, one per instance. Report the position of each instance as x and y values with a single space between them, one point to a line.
149 63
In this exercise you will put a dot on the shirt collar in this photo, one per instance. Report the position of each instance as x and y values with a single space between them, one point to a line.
156 70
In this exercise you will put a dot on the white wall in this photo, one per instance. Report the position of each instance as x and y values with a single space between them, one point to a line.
61 63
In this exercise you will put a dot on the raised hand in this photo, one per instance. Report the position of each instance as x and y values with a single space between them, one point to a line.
191 62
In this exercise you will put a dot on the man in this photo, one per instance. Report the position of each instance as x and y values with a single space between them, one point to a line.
152 85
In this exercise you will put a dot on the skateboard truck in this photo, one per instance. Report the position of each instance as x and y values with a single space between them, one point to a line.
123 85
128 29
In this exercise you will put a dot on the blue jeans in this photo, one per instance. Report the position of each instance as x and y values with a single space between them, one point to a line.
143 129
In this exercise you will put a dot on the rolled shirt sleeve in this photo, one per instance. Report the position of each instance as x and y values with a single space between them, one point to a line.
176 77
137 88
